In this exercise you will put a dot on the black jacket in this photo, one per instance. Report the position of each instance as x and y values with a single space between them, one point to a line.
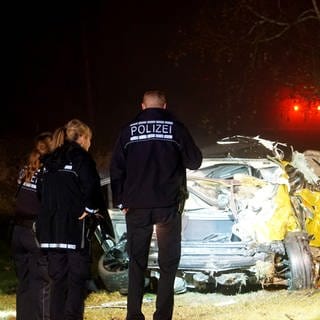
149 161
69 185
27 201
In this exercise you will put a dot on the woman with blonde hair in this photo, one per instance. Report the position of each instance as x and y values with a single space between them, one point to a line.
32 297
70 194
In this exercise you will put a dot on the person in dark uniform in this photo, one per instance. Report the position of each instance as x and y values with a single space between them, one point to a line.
32 297
70 196
148 180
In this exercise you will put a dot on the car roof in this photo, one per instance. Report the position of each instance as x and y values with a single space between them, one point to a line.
246 147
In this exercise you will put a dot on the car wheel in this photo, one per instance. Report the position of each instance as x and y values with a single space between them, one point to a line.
113 274
180 285
299 260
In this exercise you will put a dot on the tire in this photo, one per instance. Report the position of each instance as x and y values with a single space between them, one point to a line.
180 285
299 260
113 275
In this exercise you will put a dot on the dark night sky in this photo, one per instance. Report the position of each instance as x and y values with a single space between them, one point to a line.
93 60
87 59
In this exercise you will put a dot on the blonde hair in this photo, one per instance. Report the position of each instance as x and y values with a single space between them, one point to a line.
58 138
70 132
75 128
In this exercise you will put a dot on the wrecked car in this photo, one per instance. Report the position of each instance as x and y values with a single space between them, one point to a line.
252 218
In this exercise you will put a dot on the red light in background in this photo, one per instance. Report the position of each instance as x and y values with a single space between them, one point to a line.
297 109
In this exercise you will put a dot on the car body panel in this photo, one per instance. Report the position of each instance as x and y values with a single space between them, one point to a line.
238 216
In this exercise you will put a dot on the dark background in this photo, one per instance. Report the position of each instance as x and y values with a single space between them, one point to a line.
222 64
94 59
91 60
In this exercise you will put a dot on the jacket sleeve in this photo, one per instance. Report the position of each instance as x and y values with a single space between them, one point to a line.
94 199
117 172
90 185
191 154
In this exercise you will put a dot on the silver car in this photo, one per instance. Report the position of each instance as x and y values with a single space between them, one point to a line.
244 224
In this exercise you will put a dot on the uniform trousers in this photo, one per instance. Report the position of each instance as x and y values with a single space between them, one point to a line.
69 271
140 224
33 291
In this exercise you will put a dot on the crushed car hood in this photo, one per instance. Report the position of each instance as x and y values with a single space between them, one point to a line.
258 191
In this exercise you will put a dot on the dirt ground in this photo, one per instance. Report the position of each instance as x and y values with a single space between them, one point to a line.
259 305
263 304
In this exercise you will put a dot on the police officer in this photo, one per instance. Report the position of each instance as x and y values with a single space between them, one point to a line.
148 175
70 195
32 298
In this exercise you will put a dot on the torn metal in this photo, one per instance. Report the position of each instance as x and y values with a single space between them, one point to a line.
252 217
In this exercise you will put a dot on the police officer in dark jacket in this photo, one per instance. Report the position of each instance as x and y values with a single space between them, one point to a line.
148 180
32 298
70 195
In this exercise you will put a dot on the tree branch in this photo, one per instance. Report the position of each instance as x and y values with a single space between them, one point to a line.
267 19
316 8
277 35
311 14
255 26
310 11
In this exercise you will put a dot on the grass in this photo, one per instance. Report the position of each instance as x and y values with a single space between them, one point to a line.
268 305
7 302
8 279
261 305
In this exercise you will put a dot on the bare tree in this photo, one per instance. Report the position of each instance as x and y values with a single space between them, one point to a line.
252 48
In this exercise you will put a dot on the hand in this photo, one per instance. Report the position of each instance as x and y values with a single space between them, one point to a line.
83 215
124 210
97 215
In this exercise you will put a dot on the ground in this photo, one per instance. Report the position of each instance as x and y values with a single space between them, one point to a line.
259 305
262 304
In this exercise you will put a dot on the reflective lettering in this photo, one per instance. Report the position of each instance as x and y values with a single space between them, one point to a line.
133 130
159 129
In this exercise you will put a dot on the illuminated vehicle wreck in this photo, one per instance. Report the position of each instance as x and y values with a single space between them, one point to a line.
252 217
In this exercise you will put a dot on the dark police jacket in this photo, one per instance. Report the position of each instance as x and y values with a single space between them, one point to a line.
149 161
27 201
69 185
